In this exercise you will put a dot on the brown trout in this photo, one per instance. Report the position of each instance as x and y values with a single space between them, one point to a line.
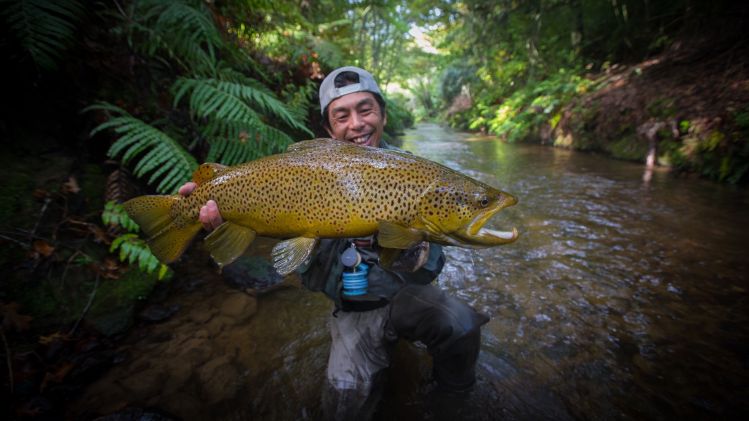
325 189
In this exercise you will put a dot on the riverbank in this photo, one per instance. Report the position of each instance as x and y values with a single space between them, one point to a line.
688 106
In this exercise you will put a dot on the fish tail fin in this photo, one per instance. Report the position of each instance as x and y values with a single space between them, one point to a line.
167 236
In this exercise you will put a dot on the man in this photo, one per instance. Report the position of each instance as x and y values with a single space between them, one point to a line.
398 303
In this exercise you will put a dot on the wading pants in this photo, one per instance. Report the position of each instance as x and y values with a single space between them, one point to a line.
362 341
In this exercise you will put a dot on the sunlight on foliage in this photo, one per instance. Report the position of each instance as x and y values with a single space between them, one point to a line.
528 108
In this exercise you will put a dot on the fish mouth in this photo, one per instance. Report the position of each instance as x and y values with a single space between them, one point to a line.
476 234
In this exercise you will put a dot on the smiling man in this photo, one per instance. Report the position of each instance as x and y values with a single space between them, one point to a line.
352 106
400 301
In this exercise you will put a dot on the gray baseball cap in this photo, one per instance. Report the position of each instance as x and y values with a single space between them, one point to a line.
328 91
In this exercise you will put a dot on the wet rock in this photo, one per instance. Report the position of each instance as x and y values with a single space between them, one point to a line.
185 405
200 315
202 334
157 312
251 272
145 383
219 379
219 323
194 352
159 337
239 306
178 374
136 414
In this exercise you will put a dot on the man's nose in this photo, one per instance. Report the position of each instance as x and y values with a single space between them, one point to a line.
356 121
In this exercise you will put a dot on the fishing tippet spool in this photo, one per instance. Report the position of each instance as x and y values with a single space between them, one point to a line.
355 283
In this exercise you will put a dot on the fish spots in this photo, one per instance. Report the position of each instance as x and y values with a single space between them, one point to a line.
337 190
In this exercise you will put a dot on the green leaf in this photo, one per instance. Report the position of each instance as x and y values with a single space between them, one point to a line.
150 147
44 29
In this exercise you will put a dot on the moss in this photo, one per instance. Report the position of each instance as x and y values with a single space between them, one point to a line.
662 108
630 148
741 119
116 300
55 302
669 153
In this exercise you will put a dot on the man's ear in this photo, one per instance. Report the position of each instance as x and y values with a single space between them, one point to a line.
384 118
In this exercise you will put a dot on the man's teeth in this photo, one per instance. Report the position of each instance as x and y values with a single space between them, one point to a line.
360 140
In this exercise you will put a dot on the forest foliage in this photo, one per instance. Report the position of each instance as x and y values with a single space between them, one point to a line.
106 100
157 87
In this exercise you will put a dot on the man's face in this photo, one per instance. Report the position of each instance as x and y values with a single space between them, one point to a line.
356 118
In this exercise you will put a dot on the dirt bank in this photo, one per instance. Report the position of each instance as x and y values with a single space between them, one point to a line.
690 102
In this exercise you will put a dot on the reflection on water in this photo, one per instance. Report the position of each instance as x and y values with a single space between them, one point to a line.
621 300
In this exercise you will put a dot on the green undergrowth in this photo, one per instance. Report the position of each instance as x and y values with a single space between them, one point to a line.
106 304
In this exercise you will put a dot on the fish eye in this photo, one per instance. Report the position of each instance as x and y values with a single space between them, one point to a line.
484 202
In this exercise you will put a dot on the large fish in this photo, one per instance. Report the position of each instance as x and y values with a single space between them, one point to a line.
323 189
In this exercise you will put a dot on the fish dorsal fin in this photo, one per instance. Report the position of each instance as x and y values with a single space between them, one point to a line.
309 144
228 241
207 172
290 254
392 235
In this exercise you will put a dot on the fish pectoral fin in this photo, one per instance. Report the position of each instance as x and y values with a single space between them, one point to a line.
392 235
207 172
228 241
388 256
290 254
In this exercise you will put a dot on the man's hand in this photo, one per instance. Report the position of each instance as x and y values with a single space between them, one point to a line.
209 214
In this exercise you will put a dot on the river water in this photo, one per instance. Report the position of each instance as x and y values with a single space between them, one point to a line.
622 299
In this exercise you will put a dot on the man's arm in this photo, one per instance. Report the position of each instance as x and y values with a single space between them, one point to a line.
209 214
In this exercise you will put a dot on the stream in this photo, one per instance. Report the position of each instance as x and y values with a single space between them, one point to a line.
622 299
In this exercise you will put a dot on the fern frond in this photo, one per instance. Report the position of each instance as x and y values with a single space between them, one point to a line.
233 101
114 215
44 29
236 142
207 100
156 152
134 250
184 30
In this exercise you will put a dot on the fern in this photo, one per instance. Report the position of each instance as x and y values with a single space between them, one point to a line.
234 129
134 250
233 101
157 153
183 30
131 248
114 215
235 142
43 28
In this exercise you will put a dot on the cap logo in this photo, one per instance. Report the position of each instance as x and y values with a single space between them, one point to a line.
345 90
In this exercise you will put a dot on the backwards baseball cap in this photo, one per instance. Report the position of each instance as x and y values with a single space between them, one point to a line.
328 91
